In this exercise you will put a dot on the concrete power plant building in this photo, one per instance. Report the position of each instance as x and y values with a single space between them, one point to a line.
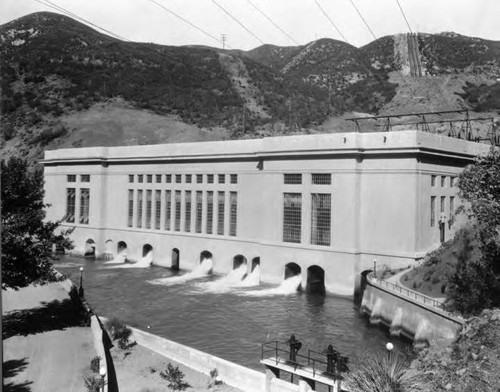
323 206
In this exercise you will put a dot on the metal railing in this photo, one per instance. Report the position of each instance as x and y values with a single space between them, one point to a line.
406 292
308 363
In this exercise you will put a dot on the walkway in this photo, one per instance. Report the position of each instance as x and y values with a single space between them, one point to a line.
45 349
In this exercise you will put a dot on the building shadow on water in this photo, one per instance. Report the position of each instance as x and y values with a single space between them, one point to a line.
54 315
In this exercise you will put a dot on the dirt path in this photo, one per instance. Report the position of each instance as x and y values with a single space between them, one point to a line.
45 348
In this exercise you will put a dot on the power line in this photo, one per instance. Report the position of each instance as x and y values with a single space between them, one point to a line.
188 22
363 19
273 23
331 21
237 21
404 16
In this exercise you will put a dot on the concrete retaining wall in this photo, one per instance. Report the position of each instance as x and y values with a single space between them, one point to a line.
407 317
238 376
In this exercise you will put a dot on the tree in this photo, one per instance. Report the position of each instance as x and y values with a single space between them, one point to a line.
475 284
175 378
27 240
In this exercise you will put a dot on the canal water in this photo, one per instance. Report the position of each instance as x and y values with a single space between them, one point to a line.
229 322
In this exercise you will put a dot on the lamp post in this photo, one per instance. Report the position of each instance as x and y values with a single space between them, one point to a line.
389 346
375 268
80 289
102 373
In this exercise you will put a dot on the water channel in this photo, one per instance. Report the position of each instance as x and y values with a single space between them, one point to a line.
207 313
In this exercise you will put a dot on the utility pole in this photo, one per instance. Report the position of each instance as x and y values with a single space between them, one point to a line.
223 39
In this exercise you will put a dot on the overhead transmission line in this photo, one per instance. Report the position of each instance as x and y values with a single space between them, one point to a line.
237 21
272 22
50 4
189 23
363 19
331 21
404 16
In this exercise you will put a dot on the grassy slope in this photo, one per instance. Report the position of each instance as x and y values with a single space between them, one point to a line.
431 278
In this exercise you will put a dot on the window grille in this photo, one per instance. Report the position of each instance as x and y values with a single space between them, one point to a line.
149 178
210 178
157 208
130 221
321 179
220 213
292 217
85 178
188 178
210 212
433 211
187 211
178 178
199 211
70 205
199 178
292 179
148 208
84 206
453 181
168 178
320 218
178 201
139 208
234 178
158 178
130 178
140 178
168 209
433 180
71 177
233 211
222 178
443 181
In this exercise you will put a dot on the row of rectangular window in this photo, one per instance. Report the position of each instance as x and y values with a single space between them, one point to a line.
452 181
442 207
316 179
173 203
83 177
321 207
188 178
83 217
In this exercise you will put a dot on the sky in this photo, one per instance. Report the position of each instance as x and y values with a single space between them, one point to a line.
299 21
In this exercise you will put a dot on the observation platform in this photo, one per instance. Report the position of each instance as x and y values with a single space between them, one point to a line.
310 369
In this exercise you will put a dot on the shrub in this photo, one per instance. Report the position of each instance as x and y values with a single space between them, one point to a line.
214 378
435 279
93 383
175 378
95 364
119 331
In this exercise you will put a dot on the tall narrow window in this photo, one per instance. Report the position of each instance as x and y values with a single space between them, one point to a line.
130 178
140 177
222 178
178 178
178 201
210 178
433 180
234 178
149 178
210 211
199 211
149 205
220 213
84 205
189 178
452 209
158 177
320 218
130 221
168 209
442 203
433 211
233 213
70 205
157 209
443 181
199 178
292 217
139 208
187 211
168 178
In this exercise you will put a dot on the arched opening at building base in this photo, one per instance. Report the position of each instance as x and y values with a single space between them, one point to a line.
238 261
176 259
315 280
89 249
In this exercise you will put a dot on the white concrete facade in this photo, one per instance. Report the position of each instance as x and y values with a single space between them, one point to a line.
381 188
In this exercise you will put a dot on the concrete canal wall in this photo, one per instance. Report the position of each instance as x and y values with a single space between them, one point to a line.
408 313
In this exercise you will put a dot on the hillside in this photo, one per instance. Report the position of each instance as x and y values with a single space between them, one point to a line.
58 73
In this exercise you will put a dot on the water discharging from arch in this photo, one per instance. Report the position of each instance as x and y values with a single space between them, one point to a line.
144 262
201 270
232 279
119 258
287 287
253 279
